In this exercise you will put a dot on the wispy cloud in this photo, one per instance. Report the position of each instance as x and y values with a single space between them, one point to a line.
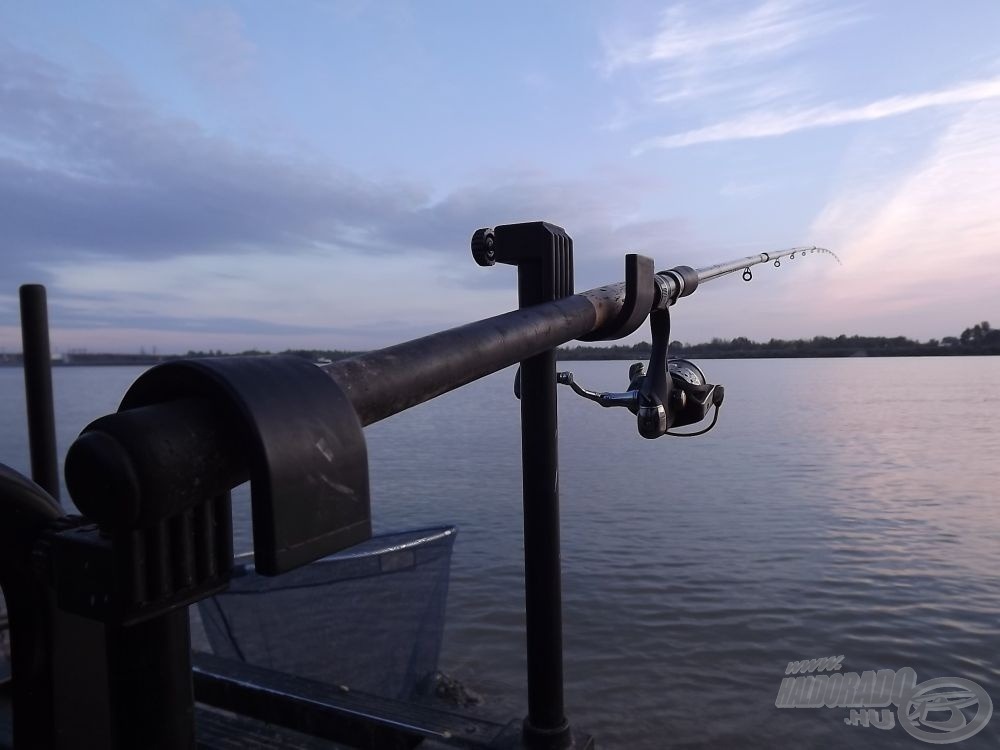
143 217
766 30
694 53
920 249
765 124
82 173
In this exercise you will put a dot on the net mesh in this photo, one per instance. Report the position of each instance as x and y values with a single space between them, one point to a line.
370 617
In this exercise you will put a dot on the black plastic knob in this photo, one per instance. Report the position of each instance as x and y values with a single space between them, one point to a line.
482 247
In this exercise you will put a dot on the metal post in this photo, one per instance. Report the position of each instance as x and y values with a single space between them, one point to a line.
546 725
151 688
38 388
543 254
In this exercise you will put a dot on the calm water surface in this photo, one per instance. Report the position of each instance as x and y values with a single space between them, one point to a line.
841 507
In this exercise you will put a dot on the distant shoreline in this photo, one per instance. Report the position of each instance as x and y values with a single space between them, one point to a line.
592 354
978 340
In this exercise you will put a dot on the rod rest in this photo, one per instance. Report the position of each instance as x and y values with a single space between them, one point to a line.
640 294
190 430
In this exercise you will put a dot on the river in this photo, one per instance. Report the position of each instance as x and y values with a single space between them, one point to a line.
841 507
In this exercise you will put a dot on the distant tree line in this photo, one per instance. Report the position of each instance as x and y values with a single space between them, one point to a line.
978 339
980 335
313 355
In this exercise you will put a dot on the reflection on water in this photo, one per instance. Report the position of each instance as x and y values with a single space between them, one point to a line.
839 507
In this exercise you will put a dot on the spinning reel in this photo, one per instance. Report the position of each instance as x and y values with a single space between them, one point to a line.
674 392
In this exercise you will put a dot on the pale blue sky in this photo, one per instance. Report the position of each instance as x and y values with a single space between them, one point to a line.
307 174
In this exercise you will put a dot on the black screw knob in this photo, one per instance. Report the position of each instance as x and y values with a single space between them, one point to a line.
482 247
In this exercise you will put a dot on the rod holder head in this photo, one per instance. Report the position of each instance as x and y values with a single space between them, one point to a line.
191 429
542 252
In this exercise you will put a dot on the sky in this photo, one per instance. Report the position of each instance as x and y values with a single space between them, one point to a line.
307 174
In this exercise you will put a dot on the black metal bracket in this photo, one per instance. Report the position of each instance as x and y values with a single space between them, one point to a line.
640 294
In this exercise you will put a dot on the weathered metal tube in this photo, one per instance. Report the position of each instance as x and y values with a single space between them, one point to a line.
387 381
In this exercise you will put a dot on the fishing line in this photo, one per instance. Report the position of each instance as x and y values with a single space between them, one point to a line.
715 418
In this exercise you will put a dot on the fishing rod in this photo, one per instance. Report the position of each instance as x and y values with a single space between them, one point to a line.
662 403
387 381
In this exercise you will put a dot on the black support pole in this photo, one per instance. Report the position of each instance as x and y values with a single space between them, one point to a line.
543 254
151 687
546 725
38 388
